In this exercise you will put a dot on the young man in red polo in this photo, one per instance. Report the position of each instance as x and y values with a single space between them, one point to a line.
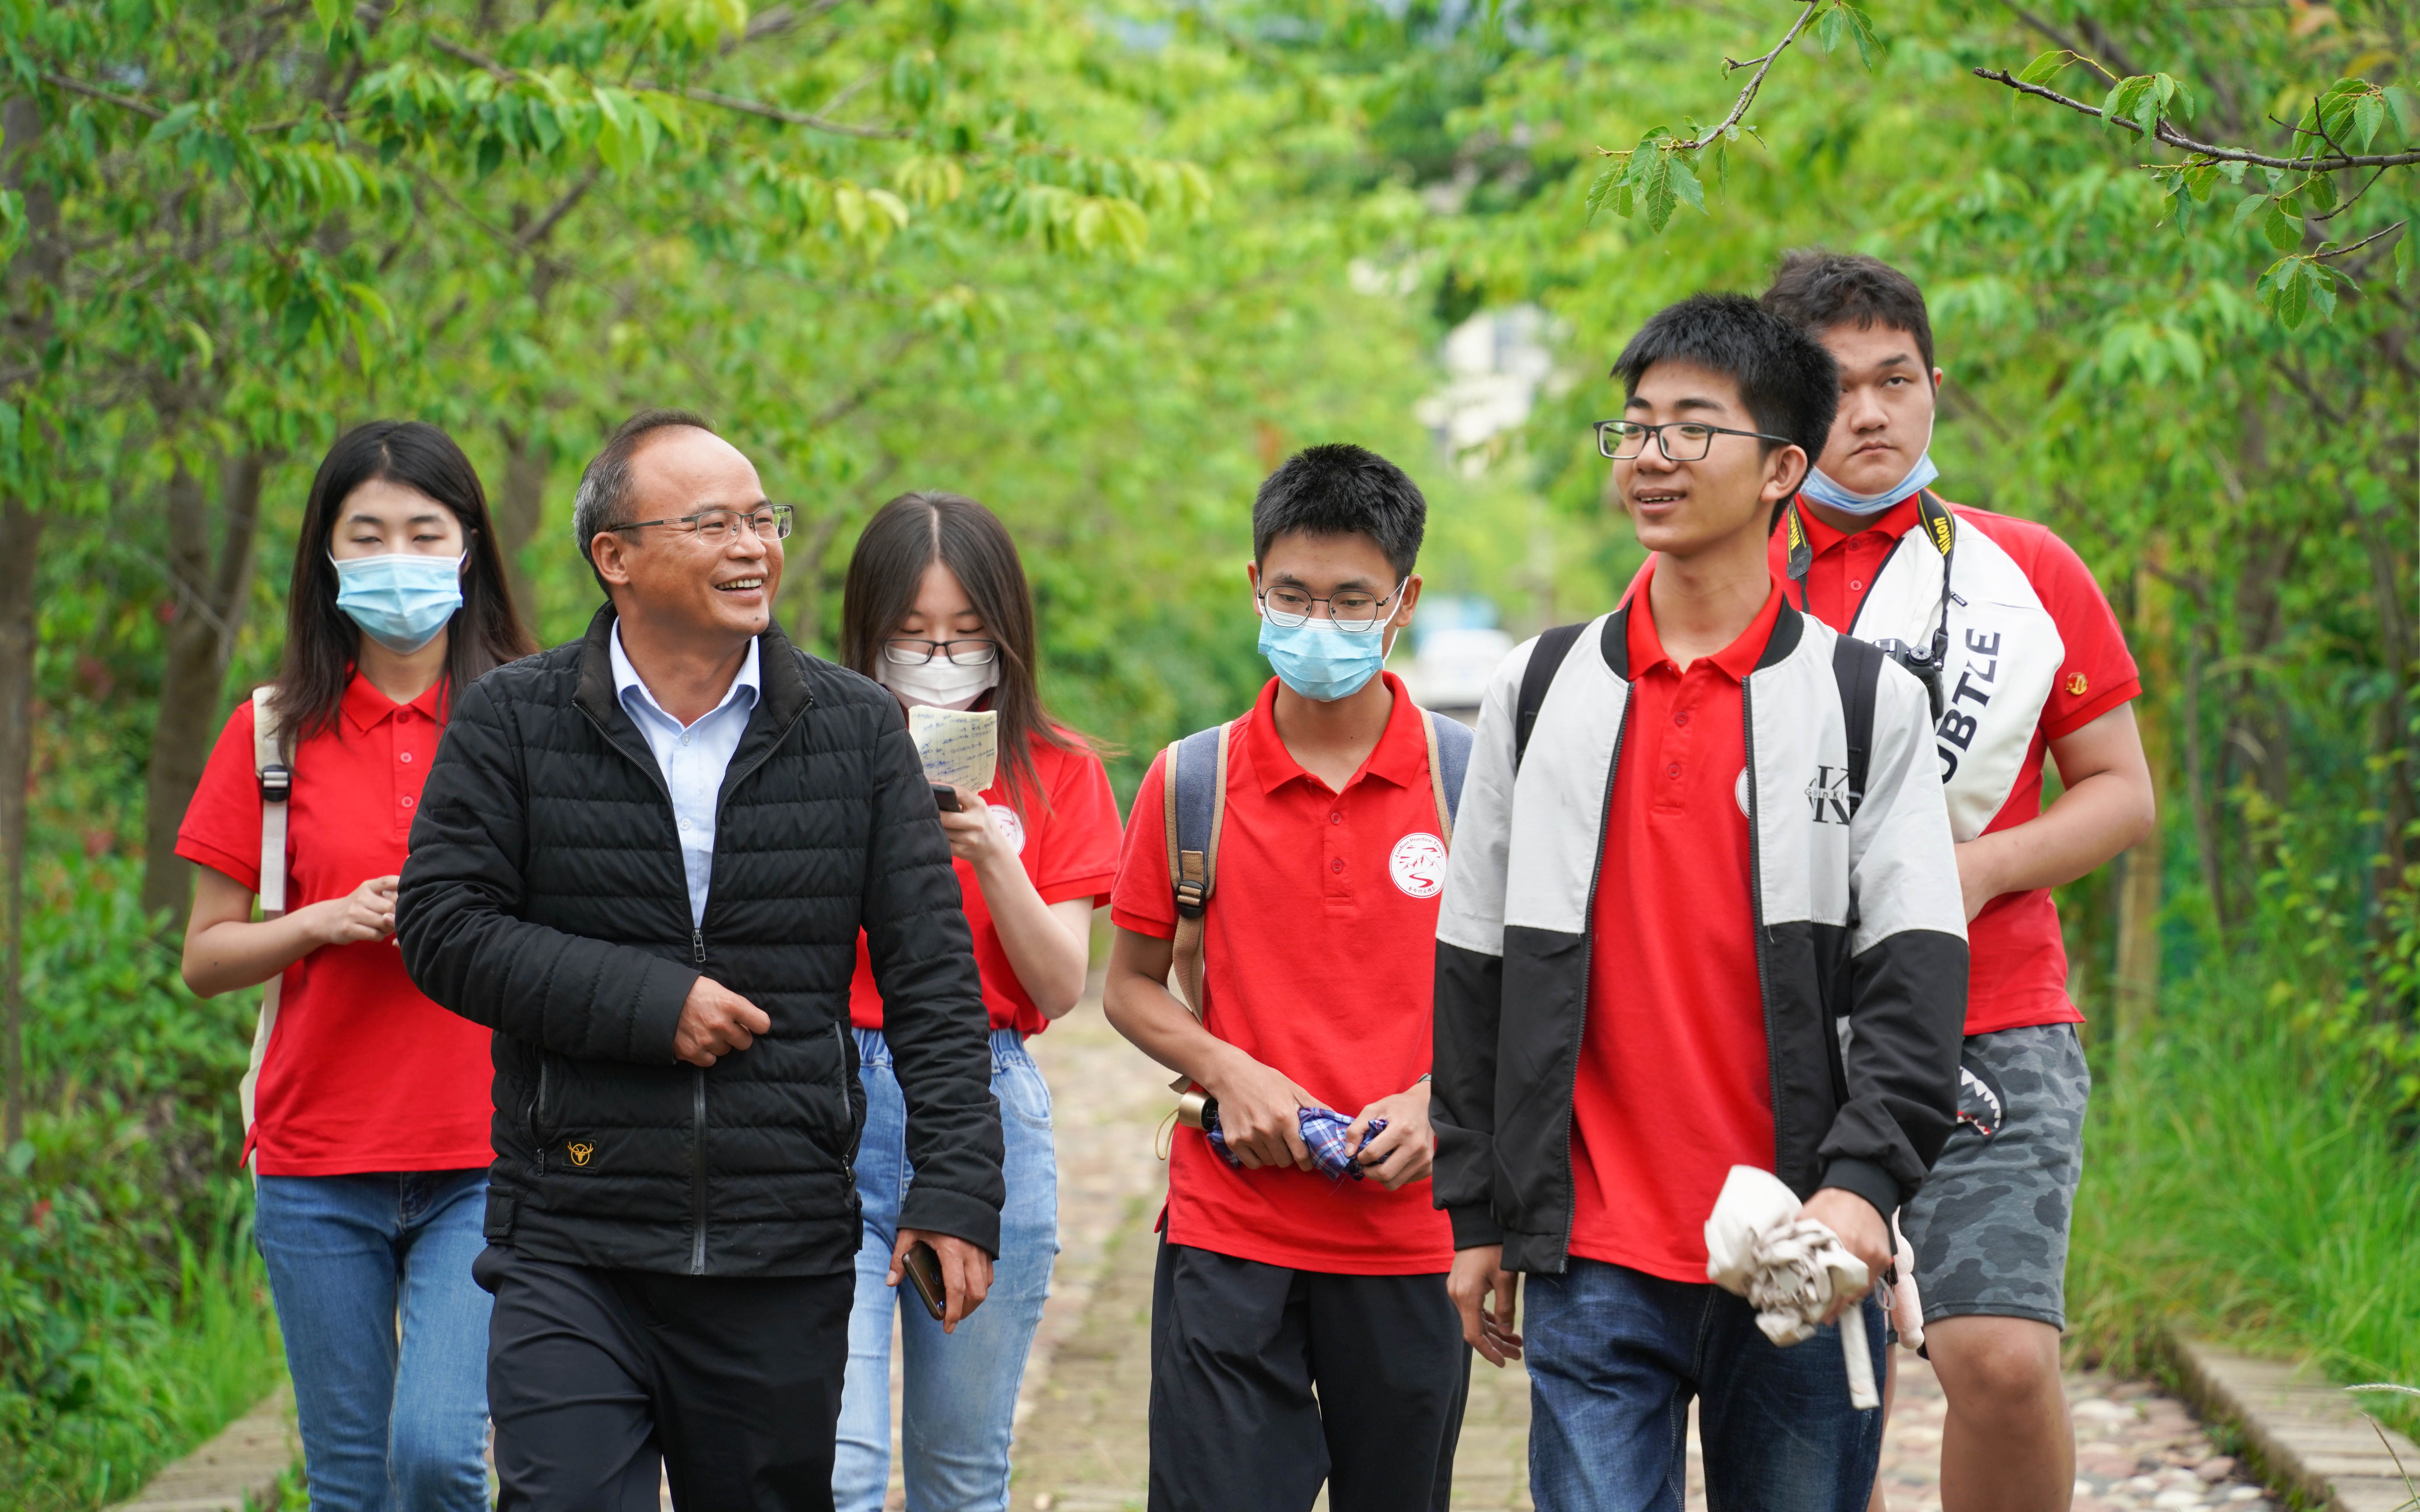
1701 916
1300 1327
2024 659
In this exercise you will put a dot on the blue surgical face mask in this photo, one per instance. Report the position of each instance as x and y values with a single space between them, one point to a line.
1322 662
1821 488
402 599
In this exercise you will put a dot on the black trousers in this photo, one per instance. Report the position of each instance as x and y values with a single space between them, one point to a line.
602 1383
1265 1382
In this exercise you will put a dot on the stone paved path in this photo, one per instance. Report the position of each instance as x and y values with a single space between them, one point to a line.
1081 1442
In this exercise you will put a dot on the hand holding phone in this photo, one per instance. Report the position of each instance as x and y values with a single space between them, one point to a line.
924 1269
945 798
950 1276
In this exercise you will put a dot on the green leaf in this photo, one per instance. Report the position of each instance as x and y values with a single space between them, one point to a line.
2405 262
2368 115
1684 182
1656 194
2250 207
1601 190
2176 100
2317 193
2284 232
2125 98
2045 68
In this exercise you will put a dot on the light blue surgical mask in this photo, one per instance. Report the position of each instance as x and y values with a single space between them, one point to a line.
1820 488
402 599
1322 662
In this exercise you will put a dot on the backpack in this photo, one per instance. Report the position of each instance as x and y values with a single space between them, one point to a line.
271 767
1195 785
1856 666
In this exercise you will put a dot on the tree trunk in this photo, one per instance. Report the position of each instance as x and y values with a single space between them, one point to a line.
25 321
2207 838
210 601
2138 897
21 534
519 507
2393 737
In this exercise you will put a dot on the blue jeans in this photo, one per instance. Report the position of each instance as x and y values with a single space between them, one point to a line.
386 1334
1614 1357
960 1398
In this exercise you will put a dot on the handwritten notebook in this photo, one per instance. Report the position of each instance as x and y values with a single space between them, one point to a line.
960 748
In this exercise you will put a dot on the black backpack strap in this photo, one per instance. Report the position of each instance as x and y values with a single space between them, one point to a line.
1857 665
1544 658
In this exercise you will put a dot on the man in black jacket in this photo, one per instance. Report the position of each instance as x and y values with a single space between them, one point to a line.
644 859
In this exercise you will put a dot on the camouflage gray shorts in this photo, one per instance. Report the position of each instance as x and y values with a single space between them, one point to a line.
1988 1226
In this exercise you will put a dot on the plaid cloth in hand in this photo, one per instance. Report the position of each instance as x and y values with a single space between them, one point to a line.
1323 1129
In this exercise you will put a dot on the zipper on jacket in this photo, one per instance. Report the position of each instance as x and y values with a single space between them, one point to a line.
697 944
848 1107
1588 957
1756 909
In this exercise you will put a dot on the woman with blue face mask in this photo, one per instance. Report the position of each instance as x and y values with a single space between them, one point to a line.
369 1120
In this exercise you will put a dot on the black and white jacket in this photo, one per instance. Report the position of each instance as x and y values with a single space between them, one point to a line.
1860 937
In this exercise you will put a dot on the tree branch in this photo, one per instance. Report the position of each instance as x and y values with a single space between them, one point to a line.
471 56
1755 81
2163 132
147 111
2072 44
2347 252
545 225
793 117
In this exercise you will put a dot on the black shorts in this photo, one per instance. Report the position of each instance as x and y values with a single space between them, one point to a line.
1266 1382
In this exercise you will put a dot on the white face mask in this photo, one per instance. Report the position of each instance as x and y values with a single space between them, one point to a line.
938 684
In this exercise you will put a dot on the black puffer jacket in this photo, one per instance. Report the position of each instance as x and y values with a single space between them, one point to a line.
545 898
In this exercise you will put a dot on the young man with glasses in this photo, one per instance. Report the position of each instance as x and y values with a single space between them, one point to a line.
2025 659
643 860
1300 1327
1701 916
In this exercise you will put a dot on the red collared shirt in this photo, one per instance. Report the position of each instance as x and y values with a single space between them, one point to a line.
2018 976
363 1072
1673 1088
1067 844
1316 961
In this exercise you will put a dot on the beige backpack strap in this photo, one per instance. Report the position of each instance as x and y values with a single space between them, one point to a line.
1437 780
276 778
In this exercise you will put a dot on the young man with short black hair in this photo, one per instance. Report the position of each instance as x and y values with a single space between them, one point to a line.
2025 659
1300 1327
1701 916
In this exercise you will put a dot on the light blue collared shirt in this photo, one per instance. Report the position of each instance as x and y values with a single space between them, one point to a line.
693 758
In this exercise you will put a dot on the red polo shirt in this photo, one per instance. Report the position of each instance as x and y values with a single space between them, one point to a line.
1068 845
364 1073
1316 961
1672 1089
2019 972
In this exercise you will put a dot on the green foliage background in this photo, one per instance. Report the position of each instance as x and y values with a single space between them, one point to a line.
1101 265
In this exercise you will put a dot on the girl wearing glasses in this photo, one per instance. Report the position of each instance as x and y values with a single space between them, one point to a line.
936 608
370 1142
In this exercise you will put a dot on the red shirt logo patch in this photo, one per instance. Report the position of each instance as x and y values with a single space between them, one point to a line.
2076 683
1417 865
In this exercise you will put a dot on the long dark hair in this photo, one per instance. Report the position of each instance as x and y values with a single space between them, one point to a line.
885 573
321 642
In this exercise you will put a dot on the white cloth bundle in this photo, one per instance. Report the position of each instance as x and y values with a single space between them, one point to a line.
1906 1306
1789 1269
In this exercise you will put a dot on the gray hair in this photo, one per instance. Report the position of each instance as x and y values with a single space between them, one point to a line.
603 498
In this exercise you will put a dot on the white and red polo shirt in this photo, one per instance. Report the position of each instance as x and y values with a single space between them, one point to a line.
2036 655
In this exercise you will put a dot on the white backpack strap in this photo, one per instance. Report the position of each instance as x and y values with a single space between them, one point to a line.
276 778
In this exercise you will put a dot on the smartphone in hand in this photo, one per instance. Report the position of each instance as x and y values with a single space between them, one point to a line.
924 1269
945 798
